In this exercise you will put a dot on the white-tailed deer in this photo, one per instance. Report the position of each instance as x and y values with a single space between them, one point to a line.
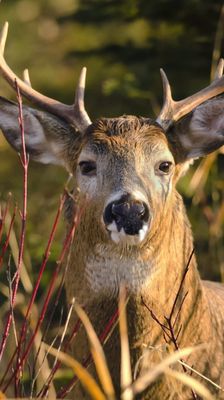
134 229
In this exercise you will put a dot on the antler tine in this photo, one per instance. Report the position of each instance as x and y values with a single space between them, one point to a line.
219 69
26 77
3 37
166 112
166 87
172 110
69 113
79 108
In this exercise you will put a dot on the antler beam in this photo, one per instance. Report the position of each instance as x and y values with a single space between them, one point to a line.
74 114
174 110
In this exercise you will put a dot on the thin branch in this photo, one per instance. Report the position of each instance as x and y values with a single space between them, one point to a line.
66 245
181 284
108 330
169 329
6 243
25 161
4 213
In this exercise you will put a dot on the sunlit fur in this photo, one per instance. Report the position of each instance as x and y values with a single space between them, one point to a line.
126 151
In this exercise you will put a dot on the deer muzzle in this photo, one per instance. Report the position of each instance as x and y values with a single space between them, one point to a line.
126 219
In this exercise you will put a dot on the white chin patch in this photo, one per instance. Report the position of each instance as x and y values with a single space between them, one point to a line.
124 238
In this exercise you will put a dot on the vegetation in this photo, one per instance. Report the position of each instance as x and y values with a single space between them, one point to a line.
123 44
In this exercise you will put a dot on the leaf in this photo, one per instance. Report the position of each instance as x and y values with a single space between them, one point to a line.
186 379
84 376
98 354
126 376
150 376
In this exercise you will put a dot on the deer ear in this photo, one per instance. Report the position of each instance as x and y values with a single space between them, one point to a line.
46 137
200 133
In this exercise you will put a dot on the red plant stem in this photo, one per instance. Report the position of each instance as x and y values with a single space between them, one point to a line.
86 363
109 326
34 293
41 271
56 302
3 215
45 388
1 222
8 367
46 302
24 161
6 243
181 284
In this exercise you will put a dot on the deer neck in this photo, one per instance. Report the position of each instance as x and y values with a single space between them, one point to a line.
163 263
152 274
154 268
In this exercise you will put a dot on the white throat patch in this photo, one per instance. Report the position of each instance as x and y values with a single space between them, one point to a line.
106 270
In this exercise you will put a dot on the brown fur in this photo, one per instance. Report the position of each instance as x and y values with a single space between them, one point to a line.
169 244
127 151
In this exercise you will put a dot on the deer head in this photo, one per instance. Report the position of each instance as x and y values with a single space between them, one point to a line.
127 166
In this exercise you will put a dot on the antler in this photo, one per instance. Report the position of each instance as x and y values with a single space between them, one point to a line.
74 114
174 110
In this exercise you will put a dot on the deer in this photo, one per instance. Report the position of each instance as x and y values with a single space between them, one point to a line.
134 229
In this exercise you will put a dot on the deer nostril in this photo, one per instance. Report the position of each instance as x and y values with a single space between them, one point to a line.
128 209
120 209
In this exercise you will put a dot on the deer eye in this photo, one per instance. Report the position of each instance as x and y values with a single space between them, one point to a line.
88 168
165 167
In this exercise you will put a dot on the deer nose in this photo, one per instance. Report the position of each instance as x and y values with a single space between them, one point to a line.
127 213
128 209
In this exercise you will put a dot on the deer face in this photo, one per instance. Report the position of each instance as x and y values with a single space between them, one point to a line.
126 165
126 168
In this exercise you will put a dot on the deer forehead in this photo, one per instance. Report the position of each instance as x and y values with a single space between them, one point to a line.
125 139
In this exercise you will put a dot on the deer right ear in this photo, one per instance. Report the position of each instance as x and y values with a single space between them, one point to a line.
46 137
199 133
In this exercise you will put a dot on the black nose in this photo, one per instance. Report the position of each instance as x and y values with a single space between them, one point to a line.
127 213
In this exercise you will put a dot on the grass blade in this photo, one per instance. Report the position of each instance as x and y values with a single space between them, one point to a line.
187 380
126 376
98 354
149 377
84 376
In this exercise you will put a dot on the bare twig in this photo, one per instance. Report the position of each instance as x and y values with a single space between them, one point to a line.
24 161
6 243
3 214
168 329
46 302
88 360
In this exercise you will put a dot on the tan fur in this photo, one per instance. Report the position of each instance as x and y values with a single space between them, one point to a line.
151 271
127 152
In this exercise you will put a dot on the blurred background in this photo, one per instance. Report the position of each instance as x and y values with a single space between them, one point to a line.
123 44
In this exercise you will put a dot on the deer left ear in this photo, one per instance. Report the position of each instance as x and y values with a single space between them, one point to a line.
200 132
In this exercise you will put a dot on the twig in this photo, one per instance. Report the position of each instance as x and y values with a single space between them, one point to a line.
41 271
24 161
6 243
47 299
3 214
34 292
10 299
88 360
169 329
44 390
181 284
